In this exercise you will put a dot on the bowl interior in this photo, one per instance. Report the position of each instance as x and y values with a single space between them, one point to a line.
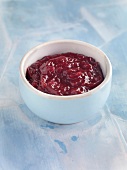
62 47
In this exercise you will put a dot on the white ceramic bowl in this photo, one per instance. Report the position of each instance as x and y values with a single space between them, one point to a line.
65 109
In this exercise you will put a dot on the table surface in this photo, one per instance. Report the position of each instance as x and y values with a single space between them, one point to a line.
26 141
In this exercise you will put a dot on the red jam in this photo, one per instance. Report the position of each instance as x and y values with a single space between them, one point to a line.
65 74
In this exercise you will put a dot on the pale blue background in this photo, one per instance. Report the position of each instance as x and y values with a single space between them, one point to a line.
30 143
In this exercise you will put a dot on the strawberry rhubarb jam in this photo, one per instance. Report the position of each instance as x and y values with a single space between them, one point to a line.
65 74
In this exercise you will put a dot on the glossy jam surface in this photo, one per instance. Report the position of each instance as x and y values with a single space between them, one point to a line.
65 74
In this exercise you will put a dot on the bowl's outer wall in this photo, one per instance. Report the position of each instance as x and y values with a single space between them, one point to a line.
64 111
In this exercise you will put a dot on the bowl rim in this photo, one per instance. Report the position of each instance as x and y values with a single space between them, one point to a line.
89 93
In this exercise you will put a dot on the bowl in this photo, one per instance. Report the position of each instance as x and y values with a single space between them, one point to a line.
65 109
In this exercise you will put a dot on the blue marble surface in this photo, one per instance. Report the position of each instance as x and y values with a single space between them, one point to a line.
30 143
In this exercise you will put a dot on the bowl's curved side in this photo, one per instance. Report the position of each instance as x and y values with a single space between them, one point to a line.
64 111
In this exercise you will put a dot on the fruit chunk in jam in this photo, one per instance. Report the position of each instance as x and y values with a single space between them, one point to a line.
65 74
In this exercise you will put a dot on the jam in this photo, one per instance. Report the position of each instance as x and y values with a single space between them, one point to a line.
65 74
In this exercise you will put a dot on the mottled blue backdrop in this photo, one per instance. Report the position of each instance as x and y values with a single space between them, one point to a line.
30 143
